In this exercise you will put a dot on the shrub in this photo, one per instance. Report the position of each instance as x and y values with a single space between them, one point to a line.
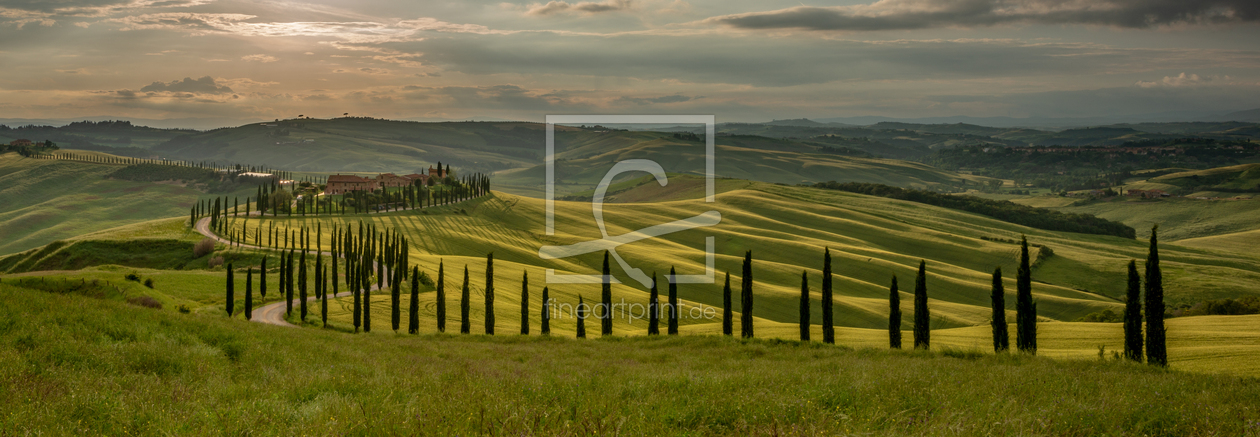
425 279
215 262
203 247
148 282
133 277
145 301
183 309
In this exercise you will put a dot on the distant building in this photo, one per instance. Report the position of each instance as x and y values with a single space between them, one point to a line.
439 172
20 143
342 184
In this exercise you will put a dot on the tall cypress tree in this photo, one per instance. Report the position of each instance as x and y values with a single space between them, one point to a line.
490 293
746 291
525 303
673 302
922 333
654 309
465 326
728 316
545 314
302 286
581 318
249 293
262 279
288 284
367 293
1001 339
441 297
231 296
1133 315
894 315
605 319
413 319
828 325
323 303
1156 353
355 282
1025 312
804 306
395 289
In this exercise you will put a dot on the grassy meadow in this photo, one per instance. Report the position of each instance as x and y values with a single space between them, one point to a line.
42 201
75 364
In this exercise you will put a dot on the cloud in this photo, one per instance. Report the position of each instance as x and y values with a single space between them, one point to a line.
370 70
1181 80
259 58
676 98
204 85
555 7
929 14
46 8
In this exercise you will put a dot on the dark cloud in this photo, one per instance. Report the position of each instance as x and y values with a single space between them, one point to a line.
90 7
204 85
927 14
676 98
759 62
554 7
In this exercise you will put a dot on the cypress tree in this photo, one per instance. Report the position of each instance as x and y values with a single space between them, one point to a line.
581 318
922 333
804 306
288 284
546 312
367 294
395 295
249 293
727 314
525 303
490 293
1133 315
323 303
828 328
746 291
654 309
302 286
673 303
413 321
1001 339
262 279
441 297
894 315
231 296
354 282
465 326
319 272
605 319
1025 315
1156 353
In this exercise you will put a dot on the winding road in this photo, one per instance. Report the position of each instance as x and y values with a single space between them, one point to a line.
271 314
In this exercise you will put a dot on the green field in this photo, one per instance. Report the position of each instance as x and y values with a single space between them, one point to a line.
786 228
42 201
81 365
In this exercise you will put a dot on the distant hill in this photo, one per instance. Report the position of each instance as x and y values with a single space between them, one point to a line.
1252 115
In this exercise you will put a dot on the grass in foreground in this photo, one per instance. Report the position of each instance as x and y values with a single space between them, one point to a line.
73 364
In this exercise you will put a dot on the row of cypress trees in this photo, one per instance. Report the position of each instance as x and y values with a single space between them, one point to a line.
390 249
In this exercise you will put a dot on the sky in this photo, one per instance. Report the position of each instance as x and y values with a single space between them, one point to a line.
739 60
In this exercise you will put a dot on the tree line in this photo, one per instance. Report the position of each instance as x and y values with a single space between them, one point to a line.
1003 210
387 252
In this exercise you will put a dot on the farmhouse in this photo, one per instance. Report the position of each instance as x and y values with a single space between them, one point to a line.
342 184
18 143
